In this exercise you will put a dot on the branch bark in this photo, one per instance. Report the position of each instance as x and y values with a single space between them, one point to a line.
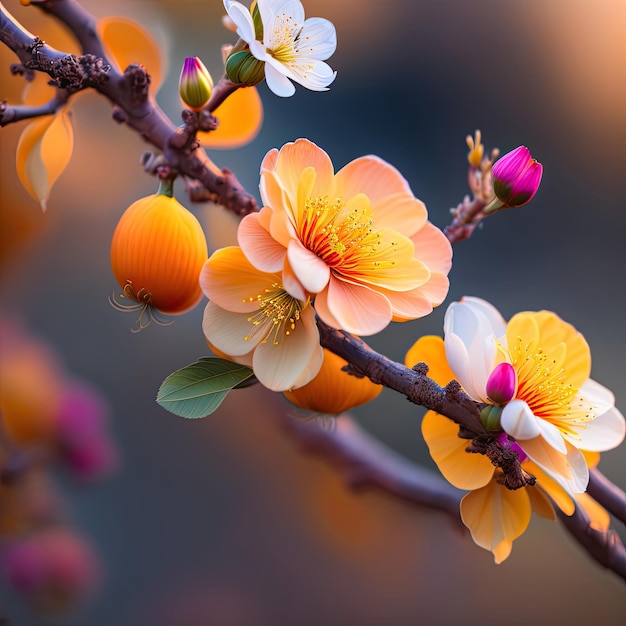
129 92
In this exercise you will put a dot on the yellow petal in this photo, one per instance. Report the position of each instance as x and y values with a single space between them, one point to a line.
430 350
463 469
43 152
592 458
240 116
599 519
127 42
541 503
560 341
561 498
496 516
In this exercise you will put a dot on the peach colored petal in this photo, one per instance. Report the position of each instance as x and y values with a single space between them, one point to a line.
436 288
229 280
430 350
392 200
280 366
295 157
357 308
282 227
321 308
407 305
306 183
312 273
262 250
462 469
269 160
496 515
433 248
291 283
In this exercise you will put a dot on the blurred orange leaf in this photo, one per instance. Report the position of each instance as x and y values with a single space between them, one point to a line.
43 152
127 42
240 116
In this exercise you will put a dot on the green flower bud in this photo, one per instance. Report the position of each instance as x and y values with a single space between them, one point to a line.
244 69
490 417
195 85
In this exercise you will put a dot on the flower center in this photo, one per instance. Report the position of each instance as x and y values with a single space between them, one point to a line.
277 316
342 239
284 41
545 389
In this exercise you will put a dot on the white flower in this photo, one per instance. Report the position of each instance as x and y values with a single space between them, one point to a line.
293 49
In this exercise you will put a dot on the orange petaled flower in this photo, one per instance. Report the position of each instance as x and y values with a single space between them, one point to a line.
254 321
357 241
157 252
333 390
494 514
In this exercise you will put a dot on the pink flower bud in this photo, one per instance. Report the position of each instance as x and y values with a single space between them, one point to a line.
195 85
516 177
501 384
54 568
84 443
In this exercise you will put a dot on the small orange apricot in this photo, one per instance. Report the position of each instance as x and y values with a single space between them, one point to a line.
157 252
333 391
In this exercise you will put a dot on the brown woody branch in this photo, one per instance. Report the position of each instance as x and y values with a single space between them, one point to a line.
129 92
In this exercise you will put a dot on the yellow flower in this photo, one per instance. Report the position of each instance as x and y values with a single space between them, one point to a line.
253 320
357 241
333 391
157 252
494 514
552 408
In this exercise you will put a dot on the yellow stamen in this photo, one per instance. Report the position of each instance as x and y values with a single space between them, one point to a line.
546 391
277 316
342 239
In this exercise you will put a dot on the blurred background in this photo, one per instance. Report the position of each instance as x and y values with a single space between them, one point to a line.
225 521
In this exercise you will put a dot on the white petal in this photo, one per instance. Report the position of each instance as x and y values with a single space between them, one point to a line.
569 470
279 367
519 421
552 435
310 270
227 331
318 39
240 15
277 81
258 50
606 432
465 324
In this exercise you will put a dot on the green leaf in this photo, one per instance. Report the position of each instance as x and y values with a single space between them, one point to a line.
198 389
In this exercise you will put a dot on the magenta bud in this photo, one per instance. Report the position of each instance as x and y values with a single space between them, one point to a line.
501 384
516 177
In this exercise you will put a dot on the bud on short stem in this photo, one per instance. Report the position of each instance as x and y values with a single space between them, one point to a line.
195 85
516 177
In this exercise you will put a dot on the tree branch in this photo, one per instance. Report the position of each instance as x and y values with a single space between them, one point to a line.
363 461
605 547
609 495
129 93
450 401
